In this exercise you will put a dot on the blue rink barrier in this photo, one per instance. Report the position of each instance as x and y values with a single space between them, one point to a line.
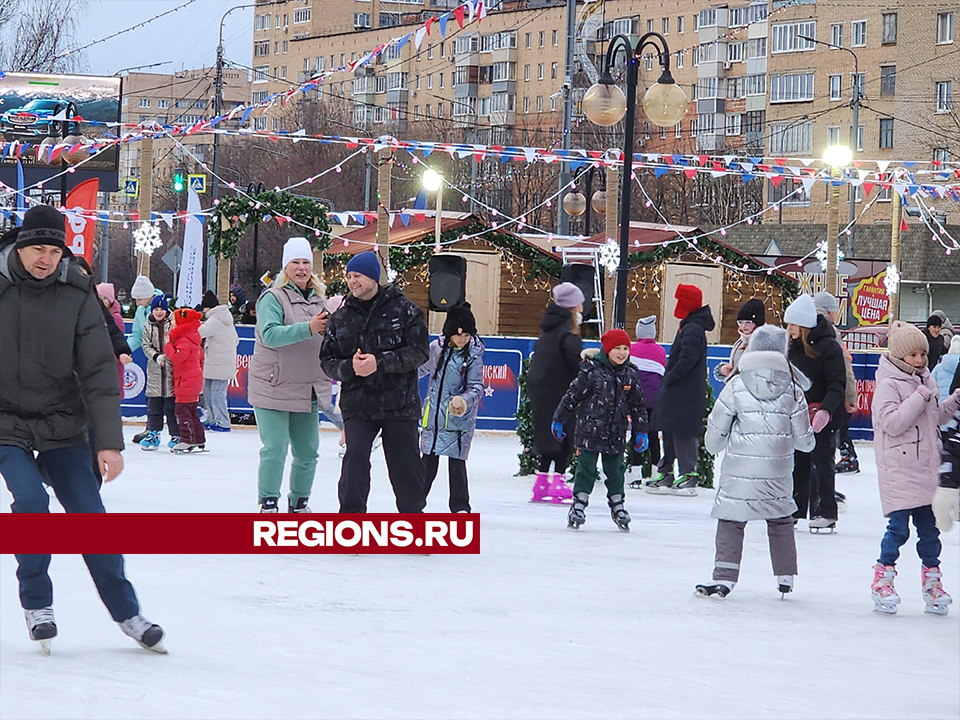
502 360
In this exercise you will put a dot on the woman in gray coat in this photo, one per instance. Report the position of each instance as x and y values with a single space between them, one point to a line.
759 419
450 410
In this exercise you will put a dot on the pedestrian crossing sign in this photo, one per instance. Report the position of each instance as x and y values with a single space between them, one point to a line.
197 183
131 187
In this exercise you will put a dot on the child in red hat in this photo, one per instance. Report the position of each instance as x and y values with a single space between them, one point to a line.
605 397
186 356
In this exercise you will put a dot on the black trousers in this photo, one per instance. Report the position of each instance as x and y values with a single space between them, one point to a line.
683 449
157 407
401 448
814 479
653 433
457 473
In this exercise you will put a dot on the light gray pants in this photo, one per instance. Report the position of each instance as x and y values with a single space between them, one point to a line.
783 548
215 397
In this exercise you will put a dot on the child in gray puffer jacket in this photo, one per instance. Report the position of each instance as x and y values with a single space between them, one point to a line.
759 419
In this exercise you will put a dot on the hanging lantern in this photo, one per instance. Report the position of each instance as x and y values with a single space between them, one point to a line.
574 204
599 202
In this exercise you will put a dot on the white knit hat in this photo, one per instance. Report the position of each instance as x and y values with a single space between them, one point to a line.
142 288
297 248
647 328
802 312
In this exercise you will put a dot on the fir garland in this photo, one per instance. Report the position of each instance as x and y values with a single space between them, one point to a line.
528 460
233 215
704 458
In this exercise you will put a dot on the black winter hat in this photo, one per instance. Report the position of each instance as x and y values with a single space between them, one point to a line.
459 320
753 310
934 321
43 225
209 300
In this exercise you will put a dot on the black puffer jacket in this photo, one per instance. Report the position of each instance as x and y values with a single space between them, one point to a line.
605 395
826 371
683 403
555 363
393 329
55 357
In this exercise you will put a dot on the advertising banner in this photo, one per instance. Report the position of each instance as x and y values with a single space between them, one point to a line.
80 230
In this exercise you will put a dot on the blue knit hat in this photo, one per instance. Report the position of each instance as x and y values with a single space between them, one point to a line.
159 301
365 263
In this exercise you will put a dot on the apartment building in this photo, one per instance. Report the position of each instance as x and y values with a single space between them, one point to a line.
182 98
771 77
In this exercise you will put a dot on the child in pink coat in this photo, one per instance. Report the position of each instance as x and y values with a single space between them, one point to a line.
906 418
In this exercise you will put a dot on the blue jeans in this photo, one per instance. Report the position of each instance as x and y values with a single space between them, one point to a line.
898 532
215 395
69 472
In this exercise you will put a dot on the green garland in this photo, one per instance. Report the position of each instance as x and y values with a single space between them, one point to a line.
528 460
704 458
244 211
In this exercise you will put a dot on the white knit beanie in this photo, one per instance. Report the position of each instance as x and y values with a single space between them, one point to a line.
297 248
647 328
142 288
802 312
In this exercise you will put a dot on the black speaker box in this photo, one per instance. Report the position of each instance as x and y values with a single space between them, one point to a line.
448 281
580 275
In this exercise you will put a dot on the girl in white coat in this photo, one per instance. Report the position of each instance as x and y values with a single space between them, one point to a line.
220 342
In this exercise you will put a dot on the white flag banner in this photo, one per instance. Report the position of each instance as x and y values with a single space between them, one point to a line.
190 286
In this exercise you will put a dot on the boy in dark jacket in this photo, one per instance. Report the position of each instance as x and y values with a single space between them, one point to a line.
946 500
606 391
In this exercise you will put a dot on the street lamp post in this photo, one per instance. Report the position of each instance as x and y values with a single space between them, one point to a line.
836 157
256 189
604 104
856 94
433 182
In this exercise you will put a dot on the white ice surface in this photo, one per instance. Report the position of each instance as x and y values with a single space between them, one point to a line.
544 623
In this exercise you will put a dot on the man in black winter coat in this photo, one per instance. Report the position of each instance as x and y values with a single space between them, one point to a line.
57 373
374 345
682 403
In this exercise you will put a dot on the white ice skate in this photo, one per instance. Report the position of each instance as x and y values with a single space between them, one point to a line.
147 634
885 598
935 598
784 585
718 589
821 525
41 626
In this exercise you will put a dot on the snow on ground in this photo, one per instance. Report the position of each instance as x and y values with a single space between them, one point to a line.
545 622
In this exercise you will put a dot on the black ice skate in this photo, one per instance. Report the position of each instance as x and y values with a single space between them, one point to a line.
823 525
148 635
41 626
300 506
784 585
619 513
718 590
269 505
848 464
577 517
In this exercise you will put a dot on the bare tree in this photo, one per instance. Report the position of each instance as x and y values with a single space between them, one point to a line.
36 34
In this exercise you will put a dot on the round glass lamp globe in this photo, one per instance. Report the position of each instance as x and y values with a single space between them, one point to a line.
837 156
599 201
432 180
604 105
574 204
665 104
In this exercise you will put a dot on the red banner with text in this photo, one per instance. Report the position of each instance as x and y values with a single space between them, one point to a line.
81 201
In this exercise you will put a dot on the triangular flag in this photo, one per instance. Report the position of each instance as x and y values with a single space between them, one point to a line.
443 24
882 165
418 37
458 14
807 183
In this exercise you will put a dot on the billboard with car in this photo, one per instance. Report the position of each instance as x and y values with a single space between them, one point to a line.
39 112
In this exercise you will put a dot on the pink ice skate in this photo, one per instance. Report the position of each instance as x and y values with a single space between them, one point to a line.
541 488
885 598
559 491
935 598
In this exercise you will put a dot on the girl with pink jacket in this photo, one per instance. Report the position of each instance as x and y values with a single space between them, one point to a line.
906 418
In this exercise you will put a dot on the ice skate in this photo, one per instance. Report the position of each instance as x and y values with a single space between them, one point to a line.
685 486
151 441
577 515
719 589
41 626
558 490
541 488
269 505
619 513
300 506
841 501
139 436
182 448
660 485
885 598
148 635
848 465
173 441
636 484
784 585
823 525
935 598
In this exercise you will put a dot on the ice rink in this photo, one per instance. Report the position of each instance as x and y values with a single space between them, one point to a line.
544 623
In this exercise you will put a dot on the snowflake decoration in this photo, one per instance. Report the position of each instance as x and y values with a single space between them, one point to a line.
891 280
610 257
391 275
146 238
821 255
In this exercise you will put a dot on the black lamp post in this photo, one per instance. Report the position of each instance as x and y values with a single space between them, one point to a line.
255 189
604 104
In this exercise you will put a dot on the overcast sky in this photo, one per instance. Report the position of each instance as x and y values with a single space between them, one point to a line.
184 39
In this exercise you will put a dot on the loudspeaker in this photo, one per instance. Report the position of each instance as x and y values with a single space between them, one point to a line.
448 281
580 275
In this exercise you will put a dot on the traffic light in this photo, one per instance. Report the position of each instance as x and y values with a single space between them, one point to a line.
179 182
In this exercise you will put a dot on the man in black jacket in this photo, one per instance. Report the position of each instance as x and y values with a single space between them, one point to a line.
57 372
374 345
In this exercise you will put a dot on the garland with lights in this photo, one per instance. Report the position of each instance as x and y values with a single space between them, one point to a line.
233 215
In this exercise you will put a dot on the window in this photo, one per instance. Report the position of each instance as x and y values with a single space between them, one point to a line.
693 92
858 83
665 26
284 46
787 138
504 71
787 37
694 127
277 25
439 109
259 96
261 22
738 17
466 106
539 103
836 35
416 112
734 124
261 48
554 67
735 52
260 73
833 135
941 155
860 134
835 87
430 52
416 80
144 102
526 104
553 102
260 123
381 84
361 20
858 33
650 25
680 20
276 48
283 72
736 87
648 62
791 88
542 35
301 16
540 71
707 18
789 192
502 102
286 20
680 55
467 44
200 104
441 82
707 53
945 28
486 74
163 104
888 79
526 73
708 87
886 132
888 34
705 124
944 97
183 103
756 48
556 38
441 54
429 112
528 40
678 130
756 85
430 81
